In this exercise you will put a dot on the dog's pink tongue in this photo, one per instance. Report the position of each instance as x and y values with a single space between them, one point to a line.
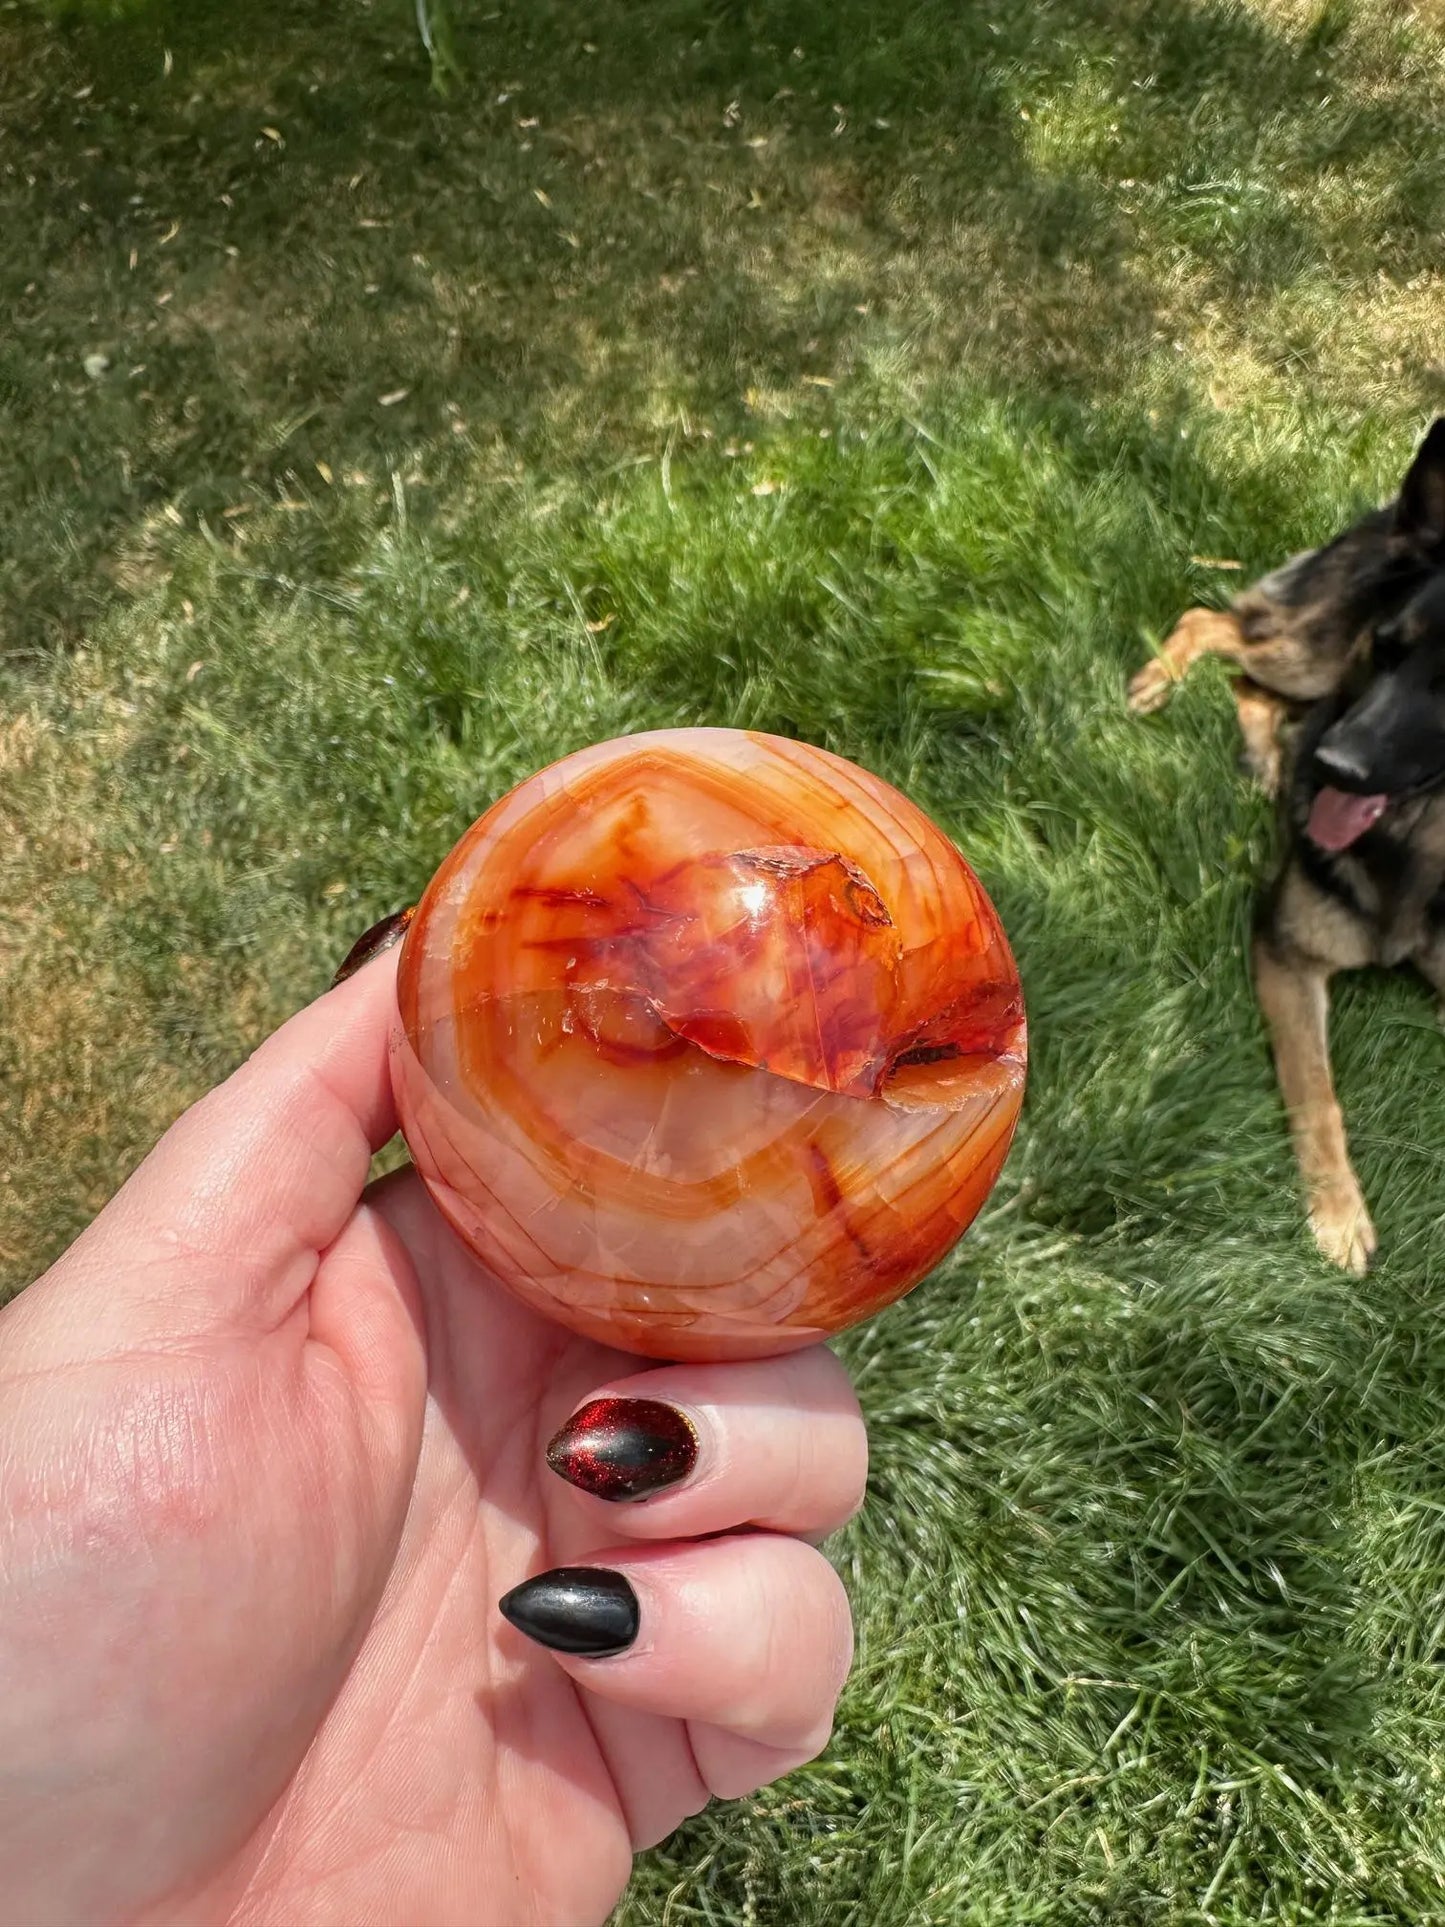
1337 818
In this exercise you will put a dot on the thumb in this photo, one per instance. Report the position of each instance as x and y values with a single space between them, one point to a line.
221 1228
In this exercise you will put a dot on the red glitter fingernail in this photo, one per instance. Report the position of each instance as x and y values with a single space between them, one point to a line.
381 936
624 1448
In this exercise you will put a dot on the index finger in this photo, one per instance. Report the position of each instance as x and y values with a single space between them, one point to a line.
221 1226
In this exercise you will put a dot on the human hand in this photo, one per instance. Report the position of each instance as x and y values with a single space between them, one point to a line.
272 1448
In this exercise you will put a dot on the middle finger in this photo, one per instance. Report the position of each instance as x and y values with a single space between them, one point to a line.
683 1450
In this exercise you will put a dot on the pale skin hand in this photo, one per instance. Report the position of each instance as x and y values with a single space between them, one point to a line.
270 1452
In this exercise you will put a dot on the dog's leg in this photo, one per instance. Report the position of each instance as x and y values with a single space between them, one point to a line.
1431 966
1199 632
1261 716
1293 993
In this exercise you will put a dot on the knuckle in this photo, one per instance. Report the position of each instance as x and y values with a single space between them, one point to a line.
812 1742
838 1647
853 1471
823 1629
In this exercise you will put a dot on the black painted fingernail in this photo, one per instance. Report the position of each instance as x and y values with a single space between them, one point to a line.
381 936
588 1610
624 1448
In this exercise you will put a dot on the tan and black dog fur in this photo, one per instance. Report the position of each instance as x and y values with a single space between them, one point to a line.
1341 700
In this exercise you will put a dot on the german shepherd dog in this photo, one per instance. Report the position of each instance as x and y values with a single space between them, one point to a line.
1341 701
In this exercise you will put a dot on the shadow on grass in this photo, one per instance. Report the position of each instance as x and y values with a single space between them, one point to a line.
295 274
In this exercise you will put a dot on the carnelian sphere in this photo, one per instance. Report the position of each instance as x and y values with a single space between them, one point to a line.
711 1043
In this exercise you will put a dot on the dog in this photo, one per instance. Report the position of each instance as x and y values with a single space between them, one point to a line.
1341 701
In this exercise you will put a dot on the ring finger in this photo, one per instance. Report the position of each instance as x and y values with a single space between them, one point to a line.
748 1639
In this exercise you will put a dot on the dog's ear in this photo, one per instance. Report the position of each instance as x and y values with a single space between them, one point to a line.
1420 511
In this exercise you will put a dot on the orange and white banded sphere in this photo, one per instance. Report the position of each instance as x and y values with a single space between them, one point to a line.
711 1043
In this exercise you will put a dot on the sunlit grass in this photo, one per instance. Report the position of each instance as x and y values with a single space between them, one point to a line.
889 380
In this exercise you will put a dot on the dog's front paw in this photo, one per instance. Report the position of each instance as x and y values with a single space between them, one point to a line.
1266 766
1151 688
1342 1226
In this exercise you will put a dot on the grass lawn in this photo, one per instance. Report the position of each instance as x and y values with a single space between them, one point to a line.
888 376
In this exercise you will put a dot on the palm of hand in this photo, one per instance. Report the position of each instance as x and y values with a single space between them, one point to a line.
450 1765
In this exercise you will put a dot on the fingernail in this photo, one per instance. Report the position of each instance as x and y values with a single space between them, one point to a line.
381 936
624 1448
588 1610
